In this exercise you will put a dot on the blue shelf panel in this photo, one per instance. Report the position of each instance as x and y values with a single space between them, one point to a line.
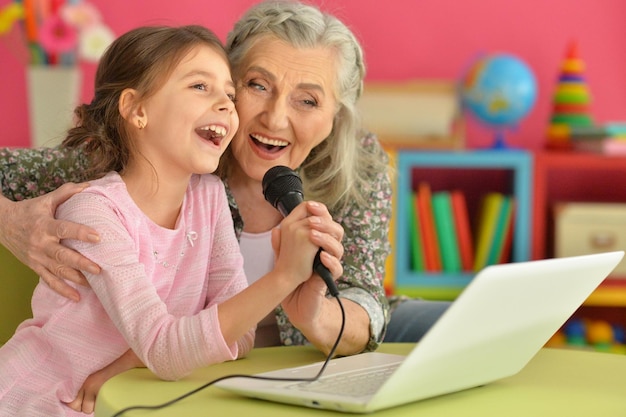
441 286
517 161
434 280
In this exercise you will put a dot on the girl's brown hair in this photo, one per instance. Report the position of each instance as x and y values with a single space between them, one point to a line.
141 59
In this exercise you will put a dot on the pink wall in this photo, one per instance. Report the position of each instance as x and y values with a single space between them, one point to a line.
404 39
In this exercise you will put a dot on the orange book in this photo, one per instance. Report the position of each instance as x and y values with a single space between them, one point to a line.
430 243
463 229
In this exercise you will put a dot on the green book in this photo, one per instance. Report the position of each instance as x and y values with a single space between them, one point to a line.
446 232
415 236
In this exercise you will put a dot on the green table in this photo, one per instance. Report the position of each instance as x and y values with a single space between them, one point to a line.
556 382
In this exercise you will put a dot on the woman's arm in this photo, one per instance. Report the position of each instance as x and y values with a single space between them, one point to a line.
26 173
28 228
366 245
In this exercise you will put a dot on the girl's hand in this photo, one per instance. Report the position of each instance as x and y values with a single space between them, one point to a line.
306 301
85 400
300 235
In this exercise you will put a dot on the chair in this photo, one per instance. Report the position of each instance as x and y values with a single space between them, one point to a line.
18 283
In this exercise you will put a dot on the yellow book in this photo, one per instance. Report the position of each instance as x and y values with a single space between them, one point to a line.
485 233
503 225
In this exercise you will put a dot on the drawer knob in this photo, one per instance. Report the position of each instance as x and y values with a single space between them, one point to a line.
602 240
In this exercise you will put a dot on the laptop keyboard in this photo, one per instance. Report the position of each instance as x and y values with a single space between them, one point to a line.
354 384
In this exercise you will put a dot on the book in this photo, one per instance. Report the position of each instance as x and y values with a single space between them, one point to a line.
608 146
415 235
463 229
500 232
446 232
430 243
390 264
489 213
505 256
426 113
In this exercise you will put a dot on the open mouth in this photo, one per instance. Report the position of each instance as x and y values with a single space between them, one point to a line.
269 145
212 133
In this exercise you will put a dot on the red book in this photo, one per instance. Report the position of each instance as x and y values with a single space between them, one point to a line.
463 229
432 258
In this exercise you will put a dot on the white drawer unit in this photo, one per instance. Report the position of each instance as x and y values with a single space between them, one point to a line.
582 228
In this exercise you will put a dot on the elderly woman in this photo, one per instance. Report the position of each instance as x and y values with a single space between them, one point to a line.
299 74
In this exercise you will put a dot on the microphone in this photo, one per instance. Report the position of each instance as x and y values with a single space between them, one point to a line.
282 188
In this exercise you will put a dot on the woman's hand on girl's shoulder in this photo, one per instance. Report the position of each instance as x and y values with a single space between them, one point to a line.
29 230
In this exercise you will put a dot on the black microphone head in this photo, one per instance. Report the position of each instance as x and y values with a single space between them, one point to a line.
280 181
282 188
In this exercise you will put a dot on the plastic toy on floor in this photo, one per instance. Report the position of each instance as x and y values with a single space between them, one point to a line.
599 335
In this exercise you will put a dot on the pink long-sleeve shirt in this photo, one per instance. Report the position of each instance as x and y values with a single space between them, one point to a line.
157 294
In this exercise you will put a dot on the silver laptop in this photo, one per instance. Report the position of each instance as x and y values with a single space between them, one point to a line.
497 324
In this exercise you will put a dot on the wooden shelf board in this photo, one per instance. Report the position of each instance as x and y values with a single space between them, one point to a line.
611 293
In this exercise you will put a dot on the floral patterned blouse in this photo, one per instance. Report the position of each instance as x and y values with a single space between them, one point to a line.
27 173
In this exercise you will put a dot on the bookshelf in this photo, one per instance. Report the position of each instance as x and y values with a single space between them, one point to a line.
571 176
577 177
538 180
475 173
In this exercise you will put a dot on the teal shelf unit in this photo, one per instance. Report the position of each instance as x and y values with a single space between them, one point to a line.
475 173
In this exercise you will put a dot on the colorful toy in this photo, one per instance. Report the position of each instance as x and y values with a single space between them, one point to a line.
619 334
590 334
576 333
571 101
600 335
557 340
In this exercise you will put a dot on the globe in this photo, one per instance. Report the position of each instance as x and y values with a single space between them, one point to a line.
499 90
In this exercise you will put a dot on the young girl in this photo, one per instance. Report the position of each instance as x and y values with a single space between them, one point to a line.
172 286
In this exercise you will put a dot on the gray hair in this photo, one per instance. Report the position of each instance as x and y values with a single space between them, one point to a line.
336 171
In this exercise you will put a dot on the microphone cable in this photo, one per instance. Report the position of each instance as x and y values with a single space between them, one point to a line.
208 384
